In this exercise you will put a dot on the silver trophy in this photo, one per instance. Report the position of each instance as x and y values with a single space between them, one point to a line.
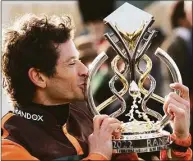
130 36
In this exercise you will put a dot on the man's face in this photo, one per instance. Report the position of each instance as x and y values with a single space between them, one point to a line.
69 82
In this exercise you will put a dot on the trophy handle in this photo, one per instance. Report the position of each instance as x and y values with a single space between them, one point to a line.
162 55
98 61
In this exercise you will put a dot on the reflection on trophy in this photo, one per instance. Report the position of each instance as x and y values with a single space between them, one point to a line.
130 36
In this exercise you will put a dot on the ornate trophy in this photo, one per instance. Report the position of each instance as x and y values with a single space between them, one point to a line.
130 36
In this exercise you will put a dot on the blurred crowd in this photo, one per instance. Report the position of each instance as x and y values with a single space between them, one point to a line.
176 40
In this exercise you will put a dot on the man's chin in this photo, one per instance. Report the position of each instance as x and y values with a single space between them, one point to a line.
82 97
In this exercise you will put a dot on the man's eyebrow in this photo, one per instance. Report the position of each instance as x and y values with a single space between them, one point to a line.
73 57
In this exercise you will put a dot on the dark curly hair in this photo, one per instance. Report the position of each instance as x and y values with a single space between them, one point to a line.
32 42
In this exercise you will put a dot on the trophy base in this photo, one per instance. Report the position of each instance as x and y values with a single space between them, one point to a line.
141 142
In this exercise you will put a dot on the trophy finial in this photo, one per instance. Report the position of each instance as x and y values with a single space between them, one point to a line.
131 37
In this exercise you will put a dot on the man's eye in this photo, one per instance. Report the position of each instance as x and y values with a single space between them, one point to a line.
73 63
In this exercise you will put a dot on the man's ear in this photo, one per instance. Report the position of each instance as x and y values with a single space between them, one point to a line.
38 78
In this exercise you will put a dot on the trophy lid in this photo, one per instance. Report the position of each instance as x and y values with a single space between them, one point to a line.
128 17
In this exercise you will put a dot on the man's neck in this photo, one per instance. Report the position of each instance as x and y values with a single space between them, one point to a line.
43 99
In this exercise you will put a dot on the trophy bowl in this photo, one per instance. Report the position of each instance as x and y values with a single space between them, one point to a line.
130 36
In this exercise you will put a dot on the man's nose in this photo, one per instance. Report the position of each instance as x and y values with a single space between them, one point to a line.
83 71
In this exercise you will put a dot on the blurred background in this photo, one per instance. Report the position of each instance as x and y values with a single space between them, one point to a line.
173 21
88 16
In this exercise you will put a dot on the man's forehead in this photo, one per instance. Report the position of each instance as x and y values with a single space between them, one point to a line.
67 50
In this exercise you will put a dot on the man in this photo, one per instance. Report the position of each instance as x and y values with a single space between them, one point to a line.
43 76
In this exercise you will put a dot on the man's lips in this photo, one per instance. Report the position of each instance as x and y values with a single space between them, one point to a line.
83 85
